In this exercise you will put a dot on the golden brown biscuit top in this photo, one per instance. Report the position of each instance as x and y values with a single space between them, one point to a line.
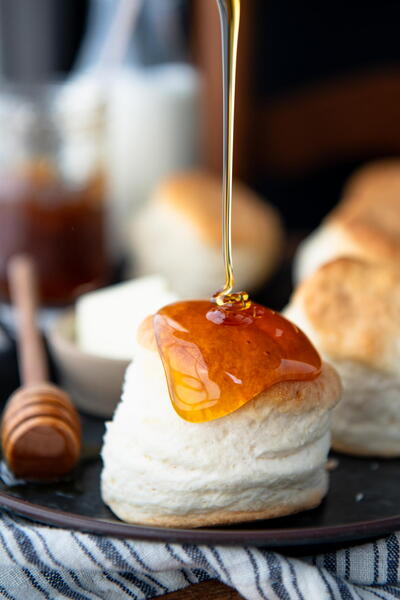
354 308
374 180
370 211
197 196
146 336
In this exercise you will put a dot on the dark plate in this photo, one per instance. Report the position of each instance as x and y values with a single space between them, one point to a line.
363 503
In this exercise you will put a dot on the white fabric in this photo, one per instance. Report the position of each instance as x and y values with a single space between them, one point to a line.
37 561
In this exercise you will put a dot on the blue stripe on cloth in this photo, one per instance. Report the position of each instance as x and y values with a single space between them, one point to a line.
376 562
202 575
294 578
174 555
23 570
347 567
185 575
191 575
330 566
198 557
392 544
35 583
330 562
89 554
5 594
140 562
391 590
254 566
276 576
376 594
71 573
138 558
221 564
206 572
185 572
324 576
256 573
110 551
345 592
7 549
52 576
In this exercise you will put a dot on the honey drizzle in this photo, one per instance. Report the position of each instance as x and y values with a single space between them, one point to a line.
217 359
220 354
229 11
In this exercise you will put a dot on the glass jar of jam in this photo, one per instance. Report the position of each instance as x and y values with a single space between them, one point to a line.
52 203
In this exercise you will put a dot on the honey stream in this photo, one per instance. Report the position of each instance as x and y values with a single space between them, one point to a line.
229 11
220 354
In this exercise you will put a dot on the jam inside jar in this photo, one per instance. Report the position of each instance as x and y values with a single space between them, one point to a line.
52 203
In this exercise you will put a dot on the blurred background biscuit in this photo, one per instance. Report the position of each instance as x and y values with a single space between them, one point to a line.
350 309
178 235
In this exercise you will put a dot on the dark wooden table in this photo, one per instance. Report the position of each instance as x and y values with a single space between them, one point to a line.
209 590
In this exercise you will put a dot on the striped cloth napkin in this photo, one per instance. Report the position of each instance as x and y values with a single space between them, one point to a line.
37 561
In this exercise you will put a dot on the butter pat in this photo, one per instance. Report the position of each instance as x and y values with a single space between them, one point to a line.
107 319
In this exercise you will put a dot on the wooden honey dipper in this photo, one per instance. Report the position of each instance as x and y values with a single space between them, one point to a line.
40 430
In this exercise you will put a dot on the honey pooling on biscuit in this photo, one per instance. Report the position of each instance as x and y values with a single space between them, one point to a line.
216 359
219 355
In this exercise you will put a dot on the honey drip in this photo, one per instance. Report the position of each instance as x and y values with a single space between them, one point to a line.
229 11
216 359
220 354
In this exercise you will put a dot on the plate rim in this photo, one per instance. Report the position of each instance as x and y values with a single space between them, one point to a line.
287 537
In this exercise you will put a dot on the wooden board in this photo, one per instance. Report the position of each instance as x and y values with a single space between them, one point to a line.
209 590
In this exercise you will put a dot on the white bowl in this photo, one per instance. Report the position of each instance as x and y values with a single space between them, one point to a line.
93 382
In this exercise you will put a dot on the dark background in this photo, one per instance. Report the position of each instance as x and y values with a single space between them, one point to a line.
296 47
301 45
302 42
